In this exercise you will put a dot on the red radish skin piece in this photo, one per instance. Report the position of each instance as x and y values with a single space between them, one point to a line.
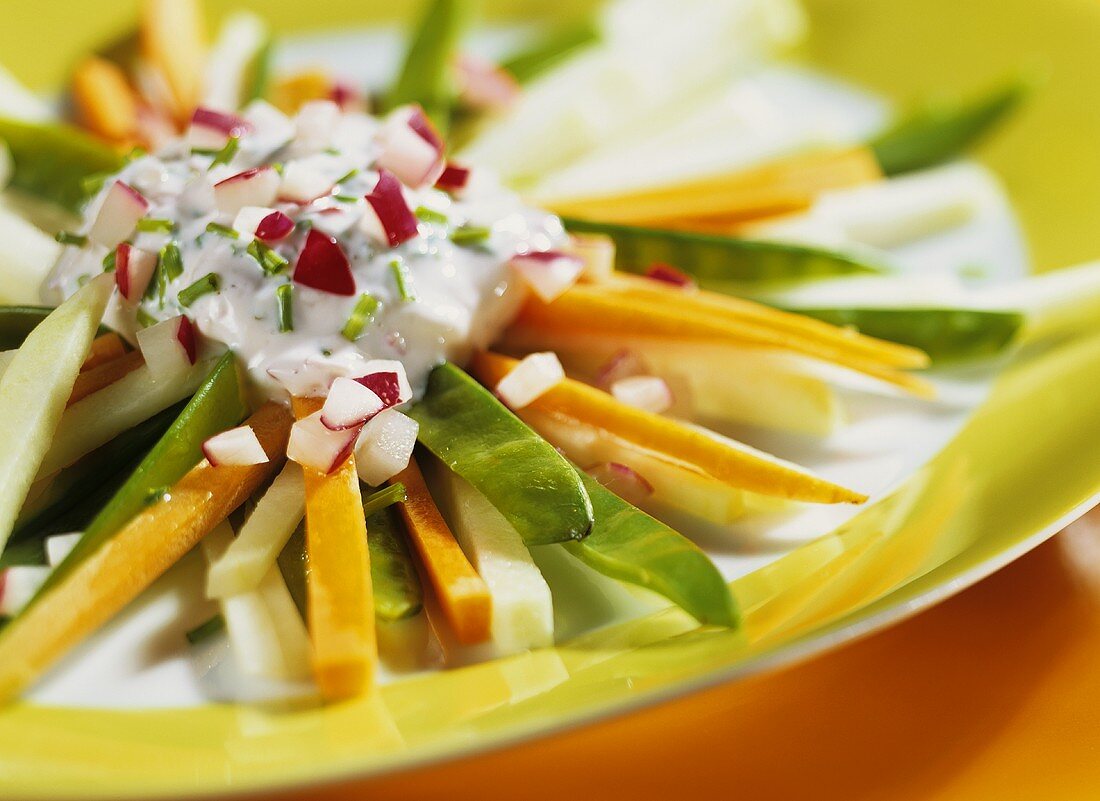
453 179
248 219
484 85
236 447
667 274
350 404
624 481
133 271
324 266
302 184
534 375
345 96
547 273
385 446
188 339
644 392
314 445
409 154
256 187
169 347
419 122
18 584
387 379
275 227
122 207
211 129
393 222
622 364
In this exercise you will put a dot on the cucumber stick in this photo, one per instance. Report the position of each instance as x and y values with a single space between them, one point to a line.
722 261
427 74
555 47
397 593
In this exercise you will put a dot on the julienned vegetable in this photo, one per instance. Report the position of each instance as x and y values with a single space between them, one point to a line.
426 76
397 593
520 473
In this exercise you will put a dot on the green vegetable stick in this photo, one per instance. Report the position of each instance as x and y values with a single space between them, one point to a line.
629 545
52 161
521 474
944 334
397 593
716 261
426 76
550 50
939 132
216 406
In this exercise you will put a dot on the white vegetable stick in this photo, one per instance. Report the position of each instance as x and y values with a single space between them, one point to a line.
35 388
266 632
239 42
103 415
251 555
523 610
26 256
59 545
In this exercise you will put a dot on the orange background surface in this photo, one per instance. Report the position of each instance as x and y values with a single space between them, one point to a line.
994 694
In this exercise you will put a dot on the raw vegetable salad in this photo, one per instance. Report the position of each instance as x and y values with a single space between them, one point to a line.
365 347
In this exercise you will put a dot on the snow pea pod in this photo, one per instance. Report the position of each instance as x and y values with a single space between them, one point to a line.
16 322
552 49
52 161
629 545
941 131
216 406
426 76
397 592
716 261
521 474
945 334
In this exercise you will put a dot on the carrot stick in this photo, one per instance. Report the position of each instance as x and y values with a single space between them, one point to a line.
104 100
341 598
462 593
105 374
109 578
741 467
104 348
172 42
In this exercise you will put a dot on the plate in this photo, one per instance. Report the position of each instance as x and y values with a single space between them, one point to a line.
996 489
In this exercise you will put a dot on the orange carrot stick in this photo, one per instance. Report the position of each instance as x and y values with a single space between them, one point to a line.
104 348
99 377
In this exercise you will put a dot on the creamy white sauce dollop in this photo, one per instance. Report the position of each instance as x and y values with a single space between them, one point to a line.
462 292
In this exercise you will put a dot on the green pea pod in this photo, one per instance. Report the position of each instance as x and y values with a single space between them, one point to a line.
52 161
27 552
18 321
426 76
717 261
941 131
216 406
294 565
521 474
944 334
397 593
552 49
257 79
629 545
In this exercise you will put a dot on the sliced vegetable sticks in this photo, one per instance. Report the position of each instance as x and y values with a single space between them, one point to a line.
462 594
589 307
341 598
122 567
736 465
172 43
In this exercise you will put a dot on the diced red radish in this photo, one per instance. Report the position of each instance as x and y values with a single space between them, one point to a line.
301 183
312 444
18 584
122 207
388 219
133 270
256 187
668 274
484 85
548 273
60 546
345 96
211 129
323 265
622 364
411 149
236 447
275 227
169 348
643 392
453 178
385 446
248 219
387 379
349 404
624 481
416 119
535 374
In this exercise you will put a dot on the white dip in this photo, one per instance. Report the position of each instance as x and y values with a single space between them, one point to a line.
459 295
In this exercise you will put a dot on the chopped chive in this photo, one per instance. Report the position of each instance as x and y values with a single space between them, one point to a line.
172 260
109 261
69 238
346 198
284 307
470 235
430 215
226 154
362 314
348 176
401 278
331 151
155 225
376 502
270 261
144 318
210 282
204 151
222 230
206 630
